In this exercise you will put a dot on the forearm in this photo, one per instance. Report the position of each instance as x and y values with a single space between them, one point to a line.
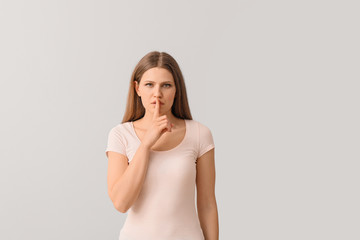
127 188
209 222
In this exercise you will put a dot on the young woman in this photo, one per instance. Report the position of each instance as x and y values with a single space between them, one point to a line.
156 157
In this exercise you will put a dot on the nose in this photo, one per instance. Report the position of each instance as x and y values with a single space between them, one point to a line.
157 92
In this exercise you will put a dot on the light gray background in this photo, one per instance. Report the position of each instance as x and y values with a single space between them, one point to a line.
277 82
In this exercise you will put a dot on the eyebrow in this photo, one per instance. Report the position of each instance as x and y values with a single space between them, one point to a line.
162 82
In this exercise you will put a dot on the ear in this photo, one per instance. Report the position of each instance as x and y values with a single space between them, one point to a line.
136 85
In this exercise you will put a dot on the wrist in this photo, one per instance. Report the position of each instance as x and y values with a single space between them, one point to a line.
145 146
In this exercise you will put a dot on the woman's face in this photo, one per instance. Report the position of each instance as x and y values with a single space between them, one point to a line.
156 83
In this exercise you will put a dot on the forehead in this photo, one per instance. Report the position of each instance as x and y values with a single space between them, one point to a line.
157 74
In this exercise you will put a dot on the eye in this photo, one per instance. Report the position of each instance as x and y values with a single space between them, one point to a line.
167 85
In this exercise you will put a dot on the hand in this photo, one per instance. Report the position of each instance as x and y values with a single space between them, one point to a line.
160 125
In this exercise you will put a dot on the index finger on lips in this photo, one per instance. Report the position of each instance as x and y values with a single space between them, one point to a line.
157 109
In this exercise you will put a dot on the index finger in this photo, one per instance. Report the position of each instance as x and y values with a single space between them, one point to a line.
157 109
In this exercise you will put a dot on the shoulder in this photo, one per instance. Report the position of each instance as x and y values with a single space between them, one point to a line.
121 129
201 126
205 141
201 130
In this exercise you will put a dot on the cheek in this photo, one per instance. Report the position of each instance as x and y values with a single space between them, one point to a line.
145 96
172 94
170 97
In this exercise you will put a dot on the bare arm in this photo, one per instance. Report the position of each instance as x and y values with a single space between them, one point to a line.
126 189
126 181
206 200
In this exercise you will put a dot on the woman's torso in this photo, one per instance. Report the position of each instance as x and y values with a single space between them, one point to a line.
165 208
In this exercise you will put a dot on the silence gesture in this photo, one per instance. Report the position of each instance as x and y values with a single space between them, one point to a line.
160 124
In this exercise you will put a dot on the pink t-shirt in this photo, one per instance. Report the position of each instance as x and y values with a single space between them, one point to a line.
165 208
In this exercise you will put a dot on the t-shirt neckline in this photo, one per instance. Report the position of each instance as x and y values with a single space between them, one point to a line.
131 123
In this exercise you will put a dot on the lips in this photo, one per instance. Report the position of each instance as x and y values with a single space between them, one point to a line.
160 103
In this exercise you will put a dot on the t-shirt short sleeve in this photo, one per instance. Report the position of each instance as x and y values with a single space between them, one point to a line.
115 142
206 141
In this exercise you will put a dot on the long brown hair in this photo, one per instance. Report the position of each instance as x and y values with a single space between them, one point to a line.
134 108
